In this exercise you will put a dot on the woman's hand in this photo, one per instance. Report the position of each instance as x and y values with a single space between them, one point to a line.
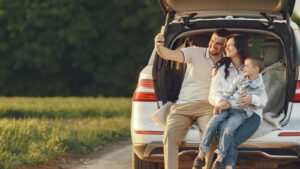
217 110
245 101
224 104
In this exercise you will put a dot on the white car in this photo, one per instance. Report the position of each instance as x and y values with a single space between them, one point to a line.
271 34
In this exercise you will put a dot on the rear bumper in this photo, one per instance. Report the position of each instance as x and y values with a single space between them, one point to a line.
270 150
154 151
274 151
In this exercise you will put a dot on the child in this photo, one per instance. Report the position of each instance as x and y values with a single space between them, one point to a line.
250 83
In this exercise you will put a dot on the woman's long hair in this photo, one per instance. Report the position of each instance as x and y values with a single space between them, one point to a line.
241 44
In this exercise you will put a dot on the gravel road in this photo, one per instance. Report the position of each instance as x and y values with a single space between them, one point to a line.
117 156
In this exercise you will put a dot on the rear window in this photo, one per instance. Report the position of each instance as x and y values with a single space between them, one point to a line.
254 44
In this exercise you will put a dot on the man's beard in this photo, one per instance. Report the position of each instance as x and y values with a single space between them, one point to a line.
214 53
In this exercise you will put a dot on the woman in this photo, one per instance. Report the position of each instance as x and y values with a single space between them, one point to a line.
226 70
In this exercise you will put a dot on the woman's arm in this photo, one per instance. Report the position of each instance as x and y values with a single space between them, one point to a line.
215 92
261 99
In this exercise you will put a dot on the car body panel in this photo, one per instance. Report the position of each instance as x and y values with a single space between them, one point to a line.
228 7
149 146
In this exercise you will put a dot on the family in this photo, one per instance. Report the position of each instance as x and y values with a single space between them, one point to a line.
225 94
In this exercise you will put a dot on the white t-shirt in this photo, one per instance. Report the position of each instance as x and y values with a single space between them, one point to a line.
197 78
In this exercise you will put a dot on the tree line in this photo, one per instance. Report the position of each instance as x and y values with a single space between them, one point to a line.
76 47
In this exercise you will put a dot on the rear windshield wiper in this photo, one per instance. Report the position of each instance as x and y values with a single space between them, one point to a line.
186 21
270 20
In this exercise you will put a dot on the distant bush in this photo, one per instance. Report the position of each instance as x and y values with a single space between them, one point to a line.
296 19
75 48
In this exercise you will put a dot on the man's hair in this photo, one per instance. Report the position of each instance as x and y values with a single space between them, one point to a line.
222 32
257 61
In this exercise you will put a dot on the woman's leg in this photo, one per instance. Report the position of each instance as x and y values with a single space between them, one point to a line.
243 133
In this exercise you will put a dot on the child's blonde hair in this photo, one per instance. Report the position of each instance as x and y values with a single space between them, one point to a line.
257 61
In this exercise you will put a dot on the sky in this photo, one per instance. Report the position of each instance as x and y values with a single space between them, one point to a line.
297 7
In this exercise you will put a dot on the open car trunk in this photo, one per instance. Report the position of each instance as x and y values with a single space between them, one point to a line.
228 7
272 43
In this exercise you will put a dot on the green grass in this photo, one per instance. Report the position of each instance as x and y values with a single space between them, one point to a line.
59 126
60 107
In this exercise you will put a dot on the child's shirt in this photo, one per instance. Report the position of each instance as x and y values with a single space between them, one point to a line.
243 85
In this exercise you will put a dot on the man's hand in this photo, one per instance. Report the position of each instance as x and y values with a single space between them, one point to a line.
224 104
165 53
159 38
245 101
217 110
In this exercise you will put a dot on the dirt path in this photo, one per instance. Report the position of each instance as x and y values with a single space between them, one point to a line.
113 157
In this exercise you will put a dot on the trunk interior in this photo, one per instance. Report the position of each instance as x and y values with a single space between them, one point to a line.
271 46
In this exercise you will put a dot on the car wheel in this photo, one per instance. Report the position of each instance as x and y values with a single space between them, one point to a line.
137 163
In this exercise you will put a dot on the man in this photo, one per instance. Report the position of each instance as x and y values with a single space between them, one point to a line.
192 103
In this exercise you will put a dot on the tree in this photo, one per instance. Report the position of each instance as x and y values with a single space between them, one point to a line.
82 48
296 19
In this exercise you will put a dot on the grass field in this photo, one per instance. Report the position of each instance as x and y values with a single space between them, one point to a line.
60 107
35 130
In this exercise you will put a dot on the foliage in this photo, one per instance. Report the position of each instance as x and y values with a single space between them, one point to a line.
75 48
296 19
80 126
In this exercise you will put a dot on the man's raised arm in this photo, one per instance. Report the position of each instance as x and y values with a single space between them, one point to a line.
164 52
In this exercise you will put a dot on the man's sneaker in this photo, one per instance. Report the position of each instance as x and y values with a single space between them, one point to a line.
217 165
198 163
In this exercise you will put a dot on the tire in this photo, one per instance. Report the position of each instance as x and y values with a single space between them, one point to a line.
137 163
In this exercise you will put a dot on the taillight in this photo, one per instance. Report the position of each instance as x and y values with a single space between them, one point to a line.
142 94
144 97
289 134
297 94
147 83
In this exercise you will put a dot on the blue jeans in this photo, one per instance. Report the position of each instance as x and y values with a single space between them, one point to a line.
243 133
211 129
234 121
233 118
